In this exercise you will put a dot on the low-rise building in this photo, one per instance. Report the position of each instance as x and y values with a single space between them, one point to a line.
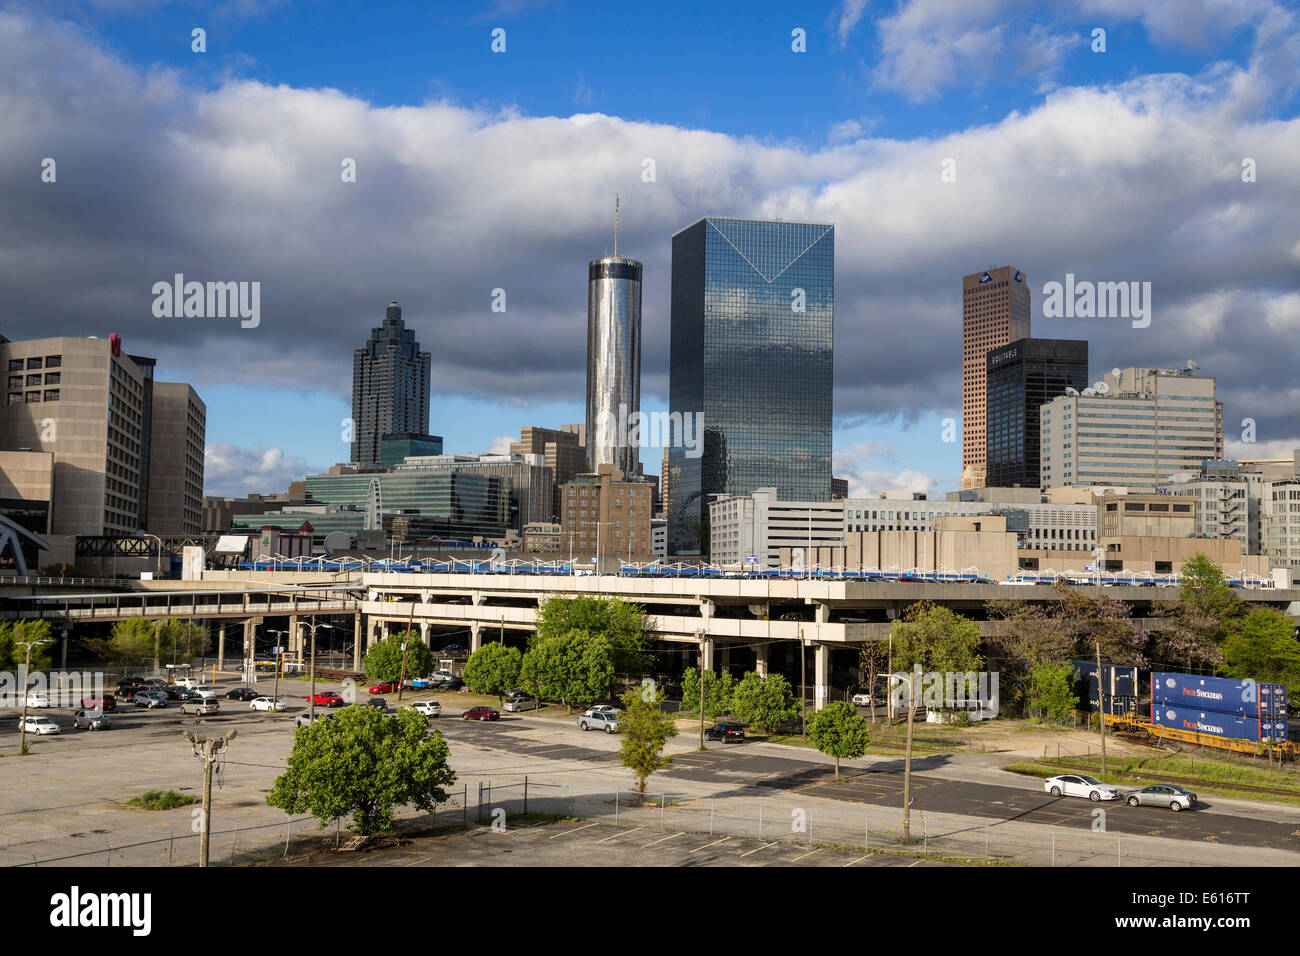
607 516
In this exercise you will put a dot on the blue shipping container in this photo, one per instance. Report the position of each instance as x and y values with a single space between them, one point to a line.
1223 695
1206 722
1118 682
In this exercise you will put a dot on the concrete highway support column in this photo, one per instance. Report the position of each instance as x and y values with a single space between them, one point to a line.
725 663
475 637
424 632
295 636
760 660
705 662
221 645
821 675
250 642
358 638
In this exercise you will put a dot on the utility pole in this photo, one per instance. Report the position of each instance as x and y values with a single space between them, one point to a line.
209 751
907 765
410 624
700 635
803 686
1101 708
311 694
27 670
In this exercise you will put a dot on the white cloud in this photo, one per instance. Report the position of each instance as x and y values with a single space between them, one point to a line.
500 445
231 470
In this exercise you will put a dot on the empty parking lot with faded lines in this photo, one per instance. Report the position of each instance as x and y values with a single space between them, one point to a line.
583 843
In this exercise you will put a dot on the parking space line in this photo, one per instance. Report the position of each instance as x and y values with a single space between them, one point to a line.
763 847
858 860
798 858
617 835
677 834
574 830
707 845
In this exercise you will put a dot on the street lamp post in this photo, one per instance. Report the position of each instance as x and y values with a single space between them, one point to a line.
158 563
907 765
311 694
22 723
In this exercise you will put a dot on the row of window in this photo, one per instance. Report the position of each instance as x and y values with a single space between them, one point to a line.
50 361
33 398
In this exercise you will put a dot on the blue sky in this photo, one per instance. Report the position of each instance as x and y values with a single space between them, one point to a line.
743 125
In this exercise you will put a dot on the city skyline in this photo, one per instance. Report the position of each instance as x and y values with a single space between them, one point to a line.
869 160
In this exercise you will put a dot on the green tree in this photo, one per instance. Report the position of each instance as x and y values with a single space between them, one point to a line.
1262 646
1192 629
183 641
577 667
765 703
132 642
645 731
718 689
1206 590
383 661
363 764
493 669
936 639
14 655
1024 635
1051 689
838 731
619 622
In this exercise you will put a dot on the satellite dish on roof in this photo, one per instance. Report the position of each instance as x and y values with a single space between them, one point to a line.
1089 391
1192 366
1116 372
1071 391
1101 388
336 542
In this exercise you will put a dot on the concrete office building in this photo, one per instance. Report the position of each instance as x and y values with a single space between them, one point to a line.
27 488
606 517
1037 524
995 312
1280 519
396 448
543 537
659 538
1148 425
613 360
82 401
761 524
1021 377
1147 516
1227 502
390 388
751 362
175 464
563 451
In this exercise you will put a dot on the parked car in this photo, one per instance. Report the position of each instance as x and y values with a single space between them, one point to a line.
189 683
516 704
242 693
600 720
39 725
38 698
481 713
157 683
150 699
201 706
105 703
176 692
601 709
306 720
727 733
205 690
453 650
377 703
327 698
266 703
421 683
1080 785
129 686
387 687
1169 795
516 692
430 708
91 719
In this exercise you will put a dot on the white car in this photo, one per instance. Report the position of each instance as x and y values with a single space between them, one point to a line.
265 703
601 709
204 690
37 698
189 683
601 720
430 708
861 700
39 725
516 704
1080 785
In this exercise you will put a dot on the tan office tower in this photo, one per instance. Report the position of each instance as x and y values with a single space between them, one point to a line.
995 312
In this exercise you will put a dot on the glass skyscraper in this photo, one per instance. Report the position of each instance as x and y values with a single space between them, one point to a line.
751 354
390 388
1021 378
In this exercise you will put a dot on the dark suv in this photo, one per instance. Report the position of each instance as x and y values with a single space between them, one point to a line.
727 733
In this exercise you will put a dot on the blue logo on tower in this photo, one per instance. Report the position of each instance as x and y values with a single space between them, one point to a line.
986 278
1019 277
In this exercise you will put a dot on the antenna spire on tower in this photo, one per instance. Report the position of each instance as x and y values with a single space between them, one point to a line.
616 224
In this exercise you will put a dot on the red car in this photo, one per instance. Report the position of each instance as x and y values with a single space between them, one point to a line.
481 713
106 703
387 687
327 698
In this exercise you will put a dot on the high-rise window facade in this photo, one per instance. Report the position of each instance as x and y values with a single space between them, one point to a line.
995 312
753 315
390 388
1023 376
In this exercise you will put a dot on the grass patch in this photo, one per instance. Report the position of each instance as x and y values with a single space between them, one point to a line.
162 800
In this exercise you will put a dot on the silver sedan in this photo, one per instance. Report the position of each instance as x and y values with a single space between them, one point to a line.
1169 795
